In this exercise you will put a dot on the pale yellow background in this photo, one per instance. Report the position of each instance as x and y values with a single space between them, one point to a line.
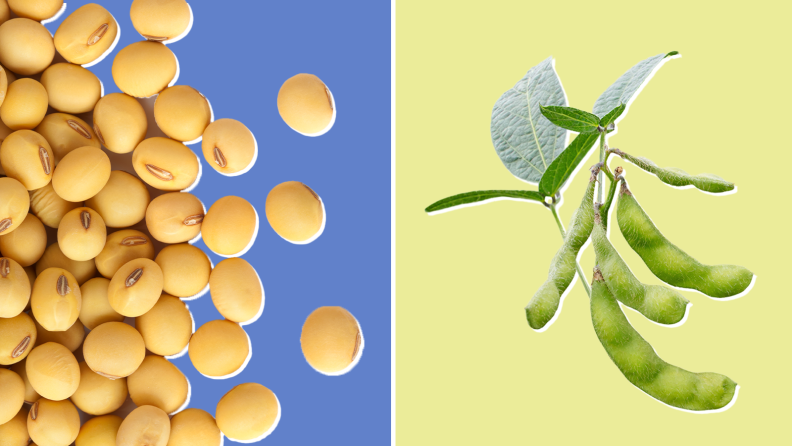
469 369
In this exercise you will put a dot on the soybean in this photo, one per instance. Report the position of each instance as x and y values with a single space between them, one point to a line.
99 431
219 348
669 263
12 395
14 204
81 174
71 88
135 287
305 104
165 164
143 69
17 338
71 338
544 304
122 202
230 226
658 303
31 396
65 133
37 10
27 243
121 247
56 299
673 176
14 288
160 20
228 146
185 269
82 234
167 327
330 339
182 113
114 350
27 157
247 412
146 425
236 290
54 257
158 383
120 122
49 207
175 217
15 432
294 211
194 427
53 371
639 363
98 395
25 104
96 309
26 47
86 34
52 423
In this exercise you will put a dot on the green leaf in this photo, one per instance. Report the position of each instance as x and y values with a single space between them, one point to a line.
612 115
484 195
627 87
571 118
566 164
526 141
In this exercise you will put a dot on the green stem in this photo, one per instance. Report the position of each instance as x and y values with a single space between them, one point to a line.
577 265
606 206
602 160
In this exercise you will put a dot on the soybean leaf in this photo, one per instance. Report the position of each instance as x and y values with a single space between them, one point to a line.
626 87
526 141
562 167
571 118
676 177
484 195
612 115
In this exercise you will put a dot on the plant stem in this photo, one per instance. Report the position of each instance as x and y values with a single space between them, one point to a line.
602 160
606 206
577 265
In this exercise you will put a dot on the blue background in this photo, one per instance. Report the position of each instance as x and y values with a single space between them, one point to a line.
238 54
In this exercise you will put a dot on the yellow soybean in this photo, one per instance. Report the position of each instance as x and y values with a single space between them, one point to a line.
114 350
167 327
121 247
86 34
185 269
54 257
53 423
25 104
182 113
13 205
135 287
97 395
294 211
120 122
122 202
229 226
14 288
53 371
160 20
56 299
158 383
228 146
96 309
99 431
26 47
49 207
81 174
175 217
247 411
165 164
72 338
143 69
27 157
27 243
65 132
305 104
82 234
71 88
236 290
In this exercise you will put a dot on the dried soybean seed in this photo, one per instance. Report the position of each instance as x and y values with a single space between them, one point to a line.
31 396
135 287
64 133
158 383
96 309
49 207
143 69
120 248
122 202
53 423
12 395
114 350
15 432
330 339
247 412
236 290
13 204
182 113
86 34
81 174
37 10
167 327
56 299
82 234
97 395
26 46
71 339
25 104
3 89
165 164
53 371
219 348
294 211
27 157
146 425
122 120
99 431
17 338
160 20
71 88
185 269
194 427
228 146
304 103
175 217
54 257
27 243
229 226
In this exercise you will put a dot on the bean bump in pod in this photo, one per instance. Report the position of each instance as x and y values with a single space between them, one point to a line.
669 263
658 303
639 363
544 304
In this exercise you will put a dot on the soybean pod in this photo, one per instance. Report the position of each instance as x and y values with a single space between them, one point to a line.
669 263
672 176
639 363
658 303
544 304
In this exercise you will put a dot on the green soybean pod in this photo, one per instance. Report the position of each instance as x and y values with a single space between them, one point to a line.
672 176
658 303
545 303
641 366
669 263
